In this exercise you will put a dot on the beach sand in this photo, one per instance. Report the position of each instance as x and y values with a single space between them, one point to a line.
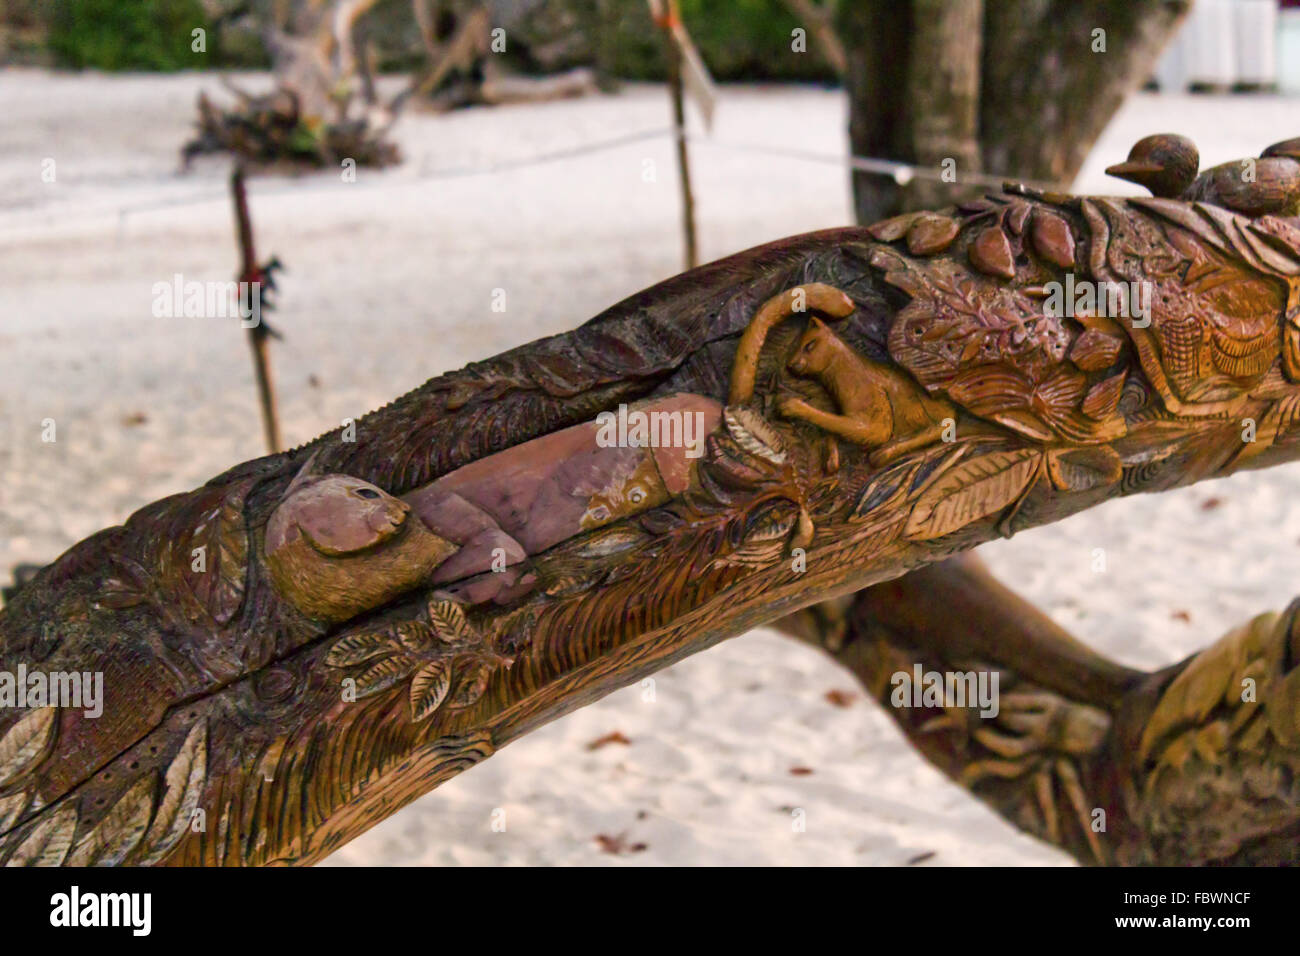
390 280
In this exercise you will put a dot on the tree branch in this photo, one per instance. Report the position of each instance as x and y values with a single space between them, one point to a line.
313 639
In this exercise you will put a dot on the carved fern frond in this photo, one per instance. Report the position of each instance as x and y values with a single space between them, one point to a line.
754 435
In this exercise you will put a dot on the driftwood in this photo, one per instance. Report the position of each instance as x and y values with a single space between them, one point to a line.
313 116
463 70
313 639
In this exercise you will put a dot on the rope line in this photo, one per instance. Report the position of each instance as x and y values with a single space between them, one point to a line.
902 172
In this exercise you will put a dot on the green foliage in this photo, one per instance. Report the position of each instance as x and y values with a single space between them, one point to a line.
738 39
127 34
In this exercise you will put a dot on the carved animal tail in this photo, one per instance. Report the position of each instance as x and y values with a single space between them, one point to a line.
813 297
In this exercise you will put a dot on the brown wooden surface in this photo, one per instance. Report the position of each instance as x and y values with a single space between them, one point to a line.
249 721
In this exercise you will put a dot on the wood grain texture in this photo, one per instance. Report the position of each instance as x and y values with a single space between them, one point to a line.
246 722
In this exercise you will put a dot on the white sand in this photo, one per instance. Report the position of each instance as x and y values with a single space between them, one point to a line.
390 282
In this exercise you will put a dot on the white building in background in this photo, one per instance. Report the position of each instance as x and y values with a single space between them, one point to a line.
1235 44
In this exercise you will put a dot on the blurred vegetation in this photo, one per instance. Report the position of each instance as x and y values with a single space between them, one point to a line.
134 35
739 39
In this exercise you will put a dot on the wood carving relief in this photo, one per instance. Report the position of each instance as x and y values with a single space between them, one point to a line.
515 539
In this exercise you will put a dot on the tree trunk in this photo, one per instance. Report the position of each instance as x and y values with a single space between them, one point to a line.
1015 88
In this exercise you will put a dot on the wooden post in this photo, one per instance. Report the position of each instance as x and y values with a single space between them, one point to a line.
259 333
666 16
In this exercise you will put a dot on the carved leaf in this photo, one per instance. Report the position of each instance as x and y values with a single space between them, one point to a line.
449 621
1288 413
754 435
1281 418
985 390
972 490
117 595
1078 469
429 688
1062 390
1205 681
381 676
905 479
121 829
25 742
614 541
472 685
11 808
413 635
1103 398
184 779
731 469
774 520
756 554
49 841
1052 239
220 531
355 648
991 254
884 487
891 230
931 234
1093 350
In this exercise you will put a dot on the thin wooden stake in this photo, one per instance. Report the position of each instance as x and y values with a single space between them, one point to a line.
674 56
257 334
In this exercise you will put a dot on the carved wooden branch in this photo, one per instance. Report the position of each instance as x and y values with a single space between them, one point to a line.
1193 765
313 639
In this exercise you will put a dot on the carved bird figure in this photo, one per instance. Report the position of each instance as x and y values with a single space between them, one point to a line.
1167 165
1164 163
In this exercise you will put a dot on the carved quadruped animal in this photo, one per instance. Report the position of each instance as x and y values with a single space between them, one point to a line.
880 406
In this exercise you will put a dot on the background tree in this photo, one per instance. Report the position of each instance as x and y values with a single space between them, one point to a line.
1020 88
